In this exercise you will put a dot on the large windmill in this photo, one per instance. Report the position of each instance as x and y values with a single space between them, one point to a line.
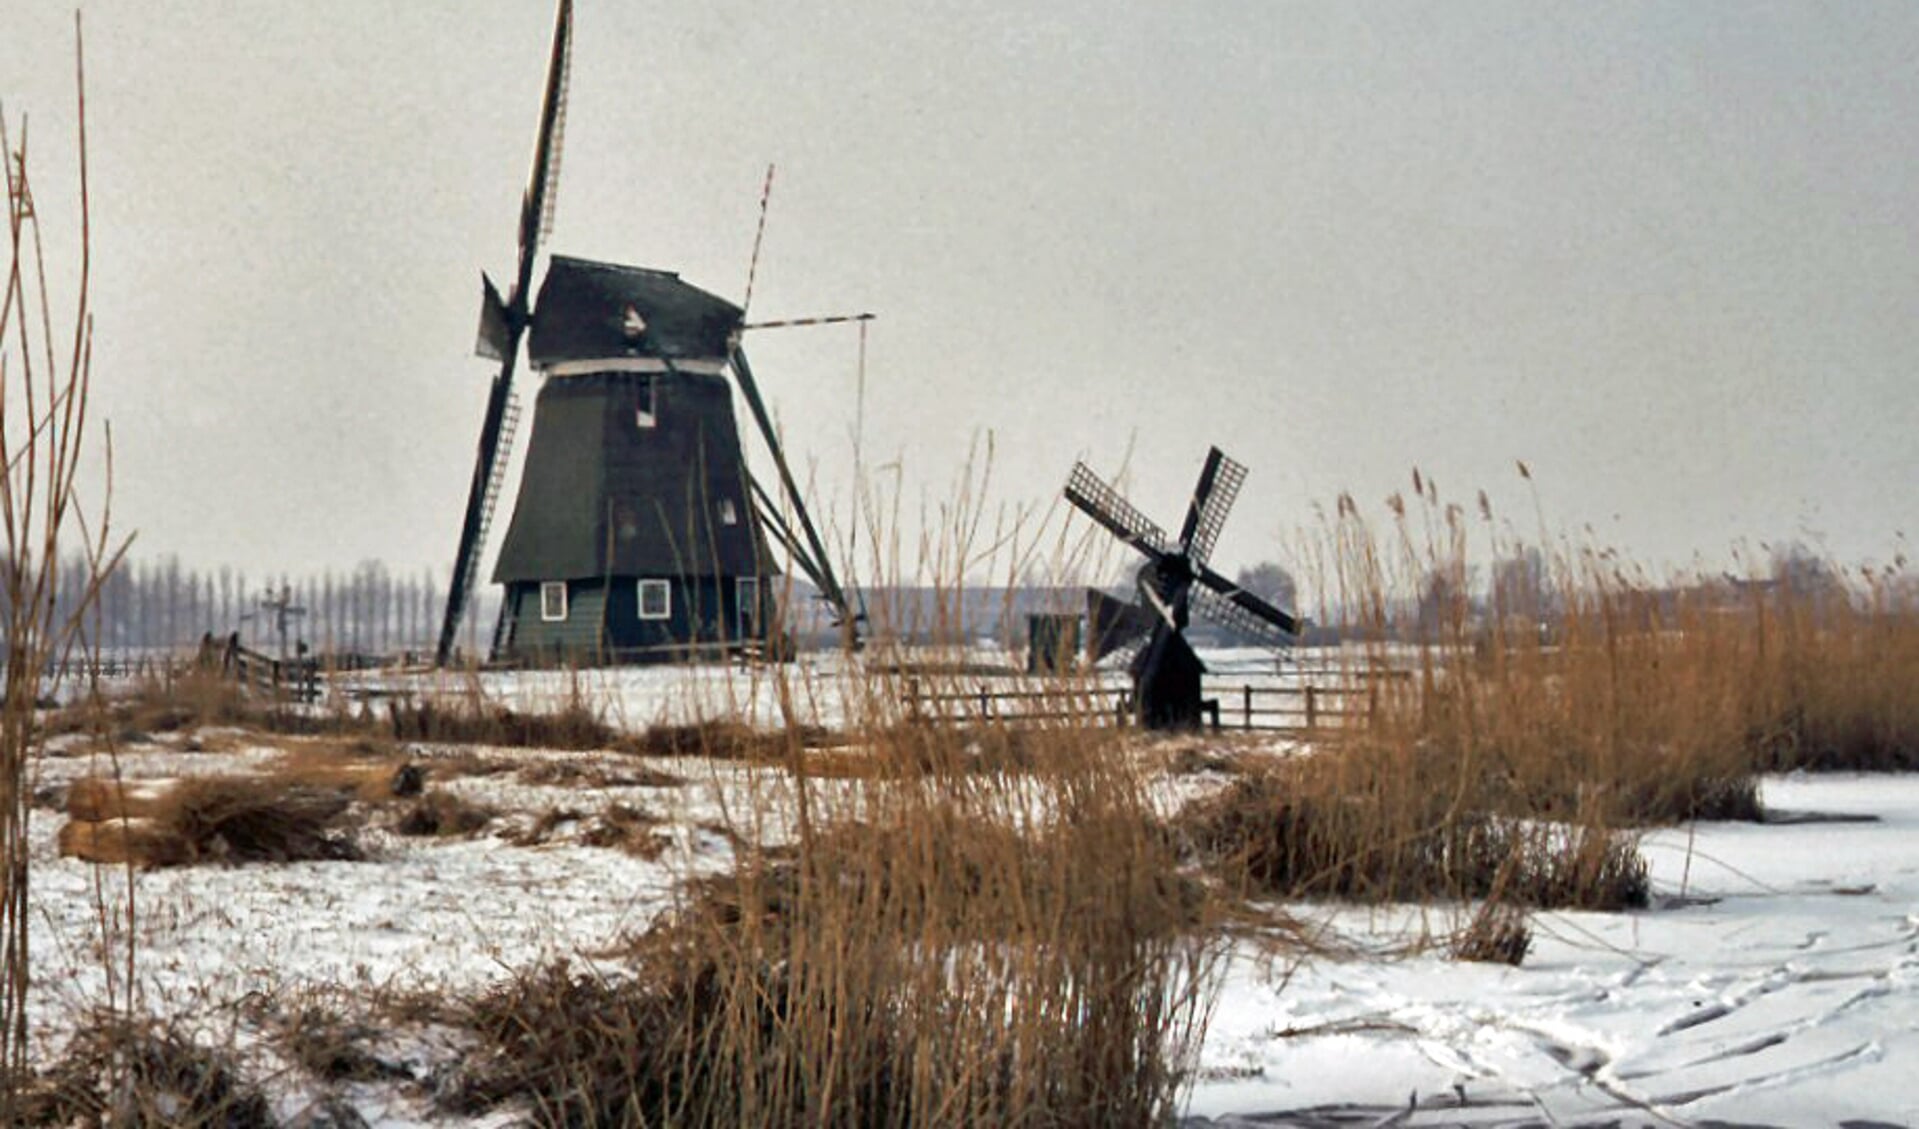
1175 581
638 532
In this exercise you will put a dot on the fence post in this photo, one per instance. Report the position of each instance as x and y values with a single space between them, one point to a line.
984 704
1246 693
1312 710
913 698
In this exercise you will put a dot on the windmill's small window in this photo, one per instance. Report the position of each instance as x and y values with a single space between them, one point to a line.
553 601
728 514
645 412
656 599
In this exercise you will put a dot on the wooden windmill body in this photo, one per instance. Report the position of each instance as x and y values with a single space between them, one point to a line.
638 532
633 535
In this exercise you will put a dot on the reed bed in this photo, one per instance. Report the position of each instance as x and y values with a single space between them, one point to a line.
934 946
1547 712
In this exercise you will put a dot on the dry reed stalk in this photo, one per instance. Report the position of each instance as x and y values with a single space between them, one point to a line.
947 949
43 432
1586 690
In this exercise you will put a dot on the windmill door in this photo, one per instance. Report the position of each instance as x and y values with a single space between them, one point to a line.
747 588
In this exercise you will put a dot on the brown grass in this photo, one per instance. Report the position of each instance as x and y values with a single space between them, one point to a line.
249 818
571 774
258 819
1497 934
370 770
192 699
473 721
935 948
629 830
443 814
1593 693
323 1041
1335 829
143 1071
135 842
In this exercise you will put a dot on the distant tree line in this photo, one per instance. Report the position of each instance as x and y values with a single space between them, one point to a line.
160 603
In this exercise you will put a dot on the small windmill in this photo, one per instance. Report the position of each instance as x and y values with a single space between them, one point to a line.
1174 581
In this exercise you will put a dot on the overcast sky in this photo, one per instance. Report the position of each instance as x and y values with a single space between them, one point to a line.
1664 253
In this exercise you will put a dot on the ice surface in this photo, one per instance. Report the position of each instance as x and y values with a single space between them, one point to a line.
1780 990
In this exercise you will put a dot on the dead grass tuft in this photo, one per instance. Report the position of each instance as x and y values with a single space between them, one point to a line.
257 819
629 830
120 1071
723 740
189 700
472 721
565 773
581 1049
329 1046
1189 759
444 814
1498 934
241 819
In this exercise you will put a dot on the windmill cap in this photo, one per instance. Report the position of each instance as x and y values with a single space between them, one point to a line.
592 311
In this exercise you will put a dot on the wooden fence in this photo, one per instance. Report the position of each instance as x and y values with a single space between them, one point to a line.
295 679
1228 705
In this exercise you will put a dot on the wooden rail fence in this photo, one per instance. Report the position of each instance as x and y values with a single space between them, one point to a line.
1301 708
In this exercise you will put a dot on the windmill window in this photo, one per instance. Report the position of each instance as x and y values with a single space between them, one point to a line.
729 515
656 599
645 411
553 601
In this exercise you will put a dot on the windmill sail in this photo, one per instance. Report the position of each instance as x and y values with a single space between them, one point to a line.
496 333
1103 504
1226 604
502 325
1219 487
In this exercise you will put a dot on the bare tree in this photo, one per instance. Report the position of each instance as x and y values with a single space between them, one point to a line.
1270 581
1521 587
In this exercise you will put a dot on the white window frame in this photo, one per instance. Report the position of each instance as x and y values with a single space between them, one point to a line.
547 614
729 513
665 588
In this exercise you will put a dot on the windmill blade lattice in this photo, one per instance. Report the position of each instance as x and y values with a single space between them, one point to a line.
1093 497
1224 612
1213 508
550 182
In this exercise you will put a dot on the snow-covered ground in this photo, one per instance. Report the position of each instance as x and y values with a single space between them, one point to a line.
1777 983
1774 983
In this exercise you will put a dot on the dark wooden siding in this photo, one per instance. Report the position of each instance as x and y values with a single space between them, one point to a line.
577 637
603 621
